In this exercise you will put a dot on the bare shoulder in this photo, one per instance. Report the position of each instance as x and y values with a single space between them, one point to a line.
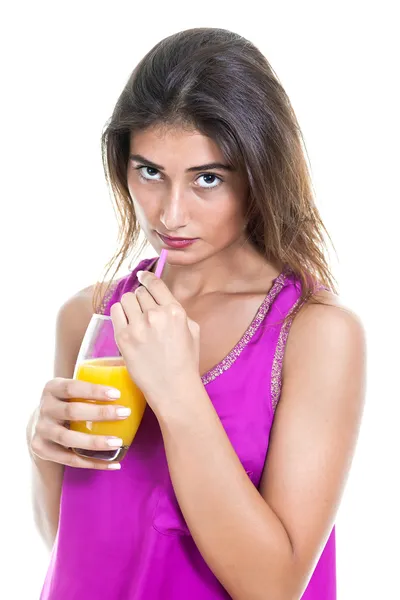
84 298
328 323
79 306
327 300
72 320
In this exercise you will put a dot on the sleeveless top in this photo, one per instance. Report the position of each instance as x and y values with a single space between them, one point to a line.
121 534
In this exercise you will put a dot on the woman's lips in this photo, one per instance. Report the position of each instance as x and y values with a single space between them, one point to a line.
176 243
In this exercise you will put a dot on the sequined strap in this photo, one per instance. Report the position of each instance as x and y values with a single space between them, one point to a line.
276 376
107 297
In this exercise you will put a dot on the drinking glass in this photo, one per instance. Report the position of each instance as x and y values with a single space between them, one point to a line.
100 361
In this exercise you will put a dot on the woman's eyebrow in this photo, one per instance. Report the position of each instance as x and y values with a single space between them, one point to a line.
150 163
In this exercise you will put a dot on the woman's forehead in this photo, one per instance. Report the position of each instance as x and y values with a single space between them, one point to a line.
163 142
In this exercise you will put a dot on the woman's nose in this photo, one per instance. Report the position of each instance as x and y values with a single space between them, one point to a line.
174 211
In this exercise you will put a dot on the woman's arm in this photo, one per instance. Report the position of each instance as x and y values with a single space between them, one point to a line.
264 545
72 321
46 490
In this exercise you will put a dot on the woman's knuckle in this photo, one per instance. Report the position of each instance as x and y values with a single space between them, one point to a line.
36 444
54 435
39 428
47 389
98 442
95 465
176 310
93 391
73 460
58 386
47 406
43 409
60 436
66 388
68 411
124 336
69 387
153 316
195 327
106 412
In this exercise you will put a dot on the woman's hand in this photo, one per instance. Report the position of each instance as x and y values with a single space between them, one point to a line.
158 341
50 438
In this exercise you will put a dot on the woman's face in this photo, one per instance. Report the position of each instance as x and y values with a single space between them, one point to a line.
175 194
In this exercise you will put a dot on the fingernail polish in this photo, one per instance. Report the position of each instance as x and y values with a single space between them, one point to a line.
123 412
114 442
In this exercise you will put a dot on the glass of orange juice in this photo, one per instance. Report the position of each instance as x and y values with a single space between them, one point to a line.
100 361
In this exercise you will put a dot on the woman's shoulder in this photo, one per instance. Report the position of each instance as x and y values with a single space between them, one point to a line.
326 320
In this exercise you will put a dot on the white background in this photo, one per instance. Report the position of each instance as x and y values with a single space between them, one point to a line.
63 68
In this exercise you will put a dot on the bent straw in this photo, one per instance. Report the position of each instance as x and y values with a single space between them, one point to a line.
161 262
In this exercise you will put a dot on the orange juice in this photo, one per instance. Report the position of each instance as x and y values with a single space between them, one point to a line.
112 372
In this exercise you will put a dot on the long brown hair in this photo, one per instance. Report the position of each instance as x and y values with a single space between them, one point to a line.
219 83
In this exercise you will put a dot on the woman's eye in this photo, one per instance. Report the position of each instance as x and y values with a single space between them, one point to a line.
148 173
211 180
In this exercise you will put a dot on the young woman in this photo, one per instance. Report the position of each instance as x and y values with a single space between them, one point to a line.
252 369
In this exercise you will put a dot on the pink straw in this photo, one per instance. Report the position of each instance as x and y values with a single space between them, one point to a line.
161 262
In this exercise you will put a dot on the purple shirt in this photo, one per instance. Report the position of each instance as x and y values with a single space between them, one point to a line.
121 534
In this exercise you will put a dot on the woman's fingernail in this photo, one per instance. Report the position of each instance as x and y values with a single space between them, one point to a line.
113 393
115 442
139 274
123 412
114 466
